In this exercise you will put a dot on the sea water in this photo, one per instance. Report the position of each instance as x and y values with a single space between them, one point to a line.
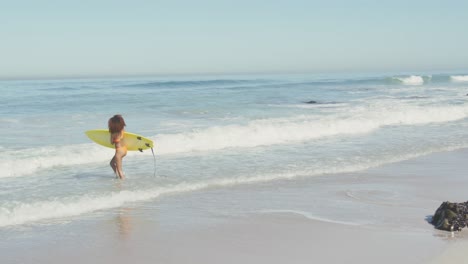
211 132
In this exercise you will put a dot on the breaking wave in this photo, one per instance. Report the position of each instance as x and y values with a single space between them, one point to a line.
410 80
459 78
256 133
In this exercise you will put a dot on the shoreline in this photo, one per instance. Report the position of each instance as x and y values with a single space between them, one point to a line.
317 219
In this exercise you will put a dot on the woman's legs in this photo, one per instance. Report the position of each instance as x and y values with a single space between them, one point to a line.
113 166
116 162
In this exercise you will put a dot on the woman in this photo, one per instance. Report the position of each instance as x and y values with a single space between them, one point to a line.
116 129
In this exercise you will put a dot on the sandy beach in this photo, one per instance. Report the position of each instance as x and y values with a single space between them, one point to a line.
194 228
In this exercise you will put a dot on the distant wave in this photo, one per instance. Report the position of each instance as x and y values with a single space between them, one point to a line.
228 83
459 78
262 132
312 106
378 80
423 79
208 83
64 88
410 80
18 213
405 80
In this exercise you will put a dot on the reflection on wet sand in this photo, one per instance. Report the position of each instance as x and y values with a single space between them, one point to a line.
124 222
123 218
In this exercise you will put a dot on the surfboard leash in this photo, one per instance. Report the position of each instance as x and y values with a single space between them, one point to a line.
152 151
154 157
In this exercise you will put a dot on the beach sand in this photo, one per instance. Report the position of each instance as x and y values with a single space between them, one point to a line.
305 220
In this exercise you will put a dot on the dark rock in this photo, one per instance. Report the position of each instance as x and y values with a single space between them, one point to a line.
451 216
311 102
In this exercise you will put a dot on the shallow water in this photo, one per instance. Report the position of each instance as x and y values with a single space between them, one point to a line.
212 132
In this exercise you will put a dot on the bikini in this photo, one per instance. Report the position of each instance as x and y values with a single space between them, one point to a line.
117 142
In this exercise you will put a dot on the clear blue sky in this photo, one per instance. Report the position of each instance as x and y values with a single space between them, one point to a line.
111 37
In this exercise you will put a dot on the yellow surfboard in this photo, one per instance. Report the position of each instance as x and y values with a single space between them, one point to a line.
133 141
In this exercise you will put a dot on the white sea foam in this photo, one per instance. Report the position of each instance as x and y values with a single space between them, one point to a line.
9 120
459 78
282 131
17 213
256 133
23 162
27 161
311 217
411 80
313 106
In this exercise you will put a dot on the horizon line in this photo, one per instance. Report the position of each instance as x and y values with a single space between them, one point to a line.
154 75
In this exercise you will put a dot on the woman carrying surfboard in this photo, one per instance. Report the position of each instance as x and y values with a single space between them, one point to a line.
116 129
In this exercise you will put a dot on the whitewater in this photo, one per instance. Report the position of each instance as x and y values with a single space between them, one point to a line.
211 132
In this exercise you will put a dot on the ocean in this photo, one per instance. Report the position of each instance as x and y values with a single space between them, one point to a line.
213 133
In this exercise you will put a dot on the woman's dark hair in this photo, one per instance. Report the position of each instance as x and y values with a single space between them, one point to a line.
116 124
